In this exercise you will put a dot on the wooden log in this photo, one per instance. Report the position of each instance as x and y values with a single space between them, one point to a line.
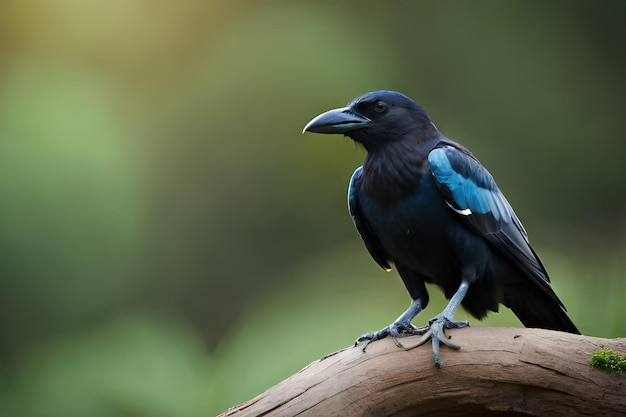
497 372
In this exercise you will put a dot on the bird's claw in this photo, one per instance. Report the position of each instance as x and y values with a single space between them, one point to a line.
396 330
437 326
368 338
435 331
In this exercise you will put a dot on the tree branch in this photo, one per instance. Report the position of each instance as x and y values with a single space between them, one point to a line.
497 372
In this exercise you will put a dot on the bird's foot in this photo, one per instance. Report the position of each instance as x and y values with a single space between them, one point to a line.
437 326
396 330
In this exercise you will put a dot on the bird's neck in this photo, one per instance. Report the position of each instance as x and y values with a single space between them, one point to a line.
394 171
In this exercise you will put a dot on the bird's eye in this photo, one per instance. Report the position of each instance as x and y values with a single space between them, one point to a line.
380 107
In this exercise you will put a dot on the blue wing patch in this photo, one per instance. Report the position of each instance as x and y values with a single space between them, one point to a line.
471 191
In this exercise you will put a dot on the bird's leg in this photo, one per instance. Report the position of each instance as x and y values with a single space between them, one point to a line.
402 327
444 321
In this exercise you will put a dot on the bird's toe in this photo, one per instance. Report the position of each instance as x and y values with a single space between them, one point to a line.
437 326
396 330
368 338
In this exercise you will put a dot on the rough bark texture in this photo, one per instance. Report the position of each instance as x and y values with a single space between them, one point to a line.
497 372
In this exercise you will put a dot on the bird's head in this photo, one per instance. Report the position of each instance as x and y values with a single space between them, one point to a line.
375 119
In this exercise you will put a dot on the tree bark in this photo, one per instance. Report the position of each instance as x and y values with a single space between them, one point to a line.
497 372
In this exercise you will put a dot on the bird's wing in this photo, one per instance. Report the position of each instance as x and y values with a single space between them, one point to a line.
471 192
360 222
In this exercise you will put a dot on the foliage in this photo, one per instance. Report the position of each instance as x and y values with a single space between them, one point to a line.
611 362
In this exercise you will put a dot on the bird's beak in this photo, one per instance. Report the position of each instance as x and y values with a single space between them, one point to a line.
337 121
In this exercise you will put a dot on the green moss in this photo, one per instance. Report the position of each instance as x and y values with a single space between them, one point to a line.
611 362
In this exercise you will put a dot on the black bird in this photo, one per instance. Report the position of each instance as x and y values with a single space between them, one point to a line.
425 204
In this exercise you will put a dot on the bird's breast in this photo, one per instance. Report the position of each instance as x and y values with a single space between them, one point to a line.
414 229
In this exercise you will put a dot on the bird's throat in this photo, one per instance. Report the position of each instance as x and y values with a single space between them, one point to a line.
393 173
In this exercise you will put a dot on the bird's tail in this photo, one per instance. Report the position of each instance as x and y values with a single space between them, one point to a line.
536 307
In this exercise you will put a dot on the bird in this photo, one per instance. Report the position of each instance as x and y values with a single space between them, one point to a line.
425 204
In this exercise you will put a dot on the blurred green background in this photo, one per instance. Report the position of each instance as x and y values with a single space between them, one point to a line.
171 245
